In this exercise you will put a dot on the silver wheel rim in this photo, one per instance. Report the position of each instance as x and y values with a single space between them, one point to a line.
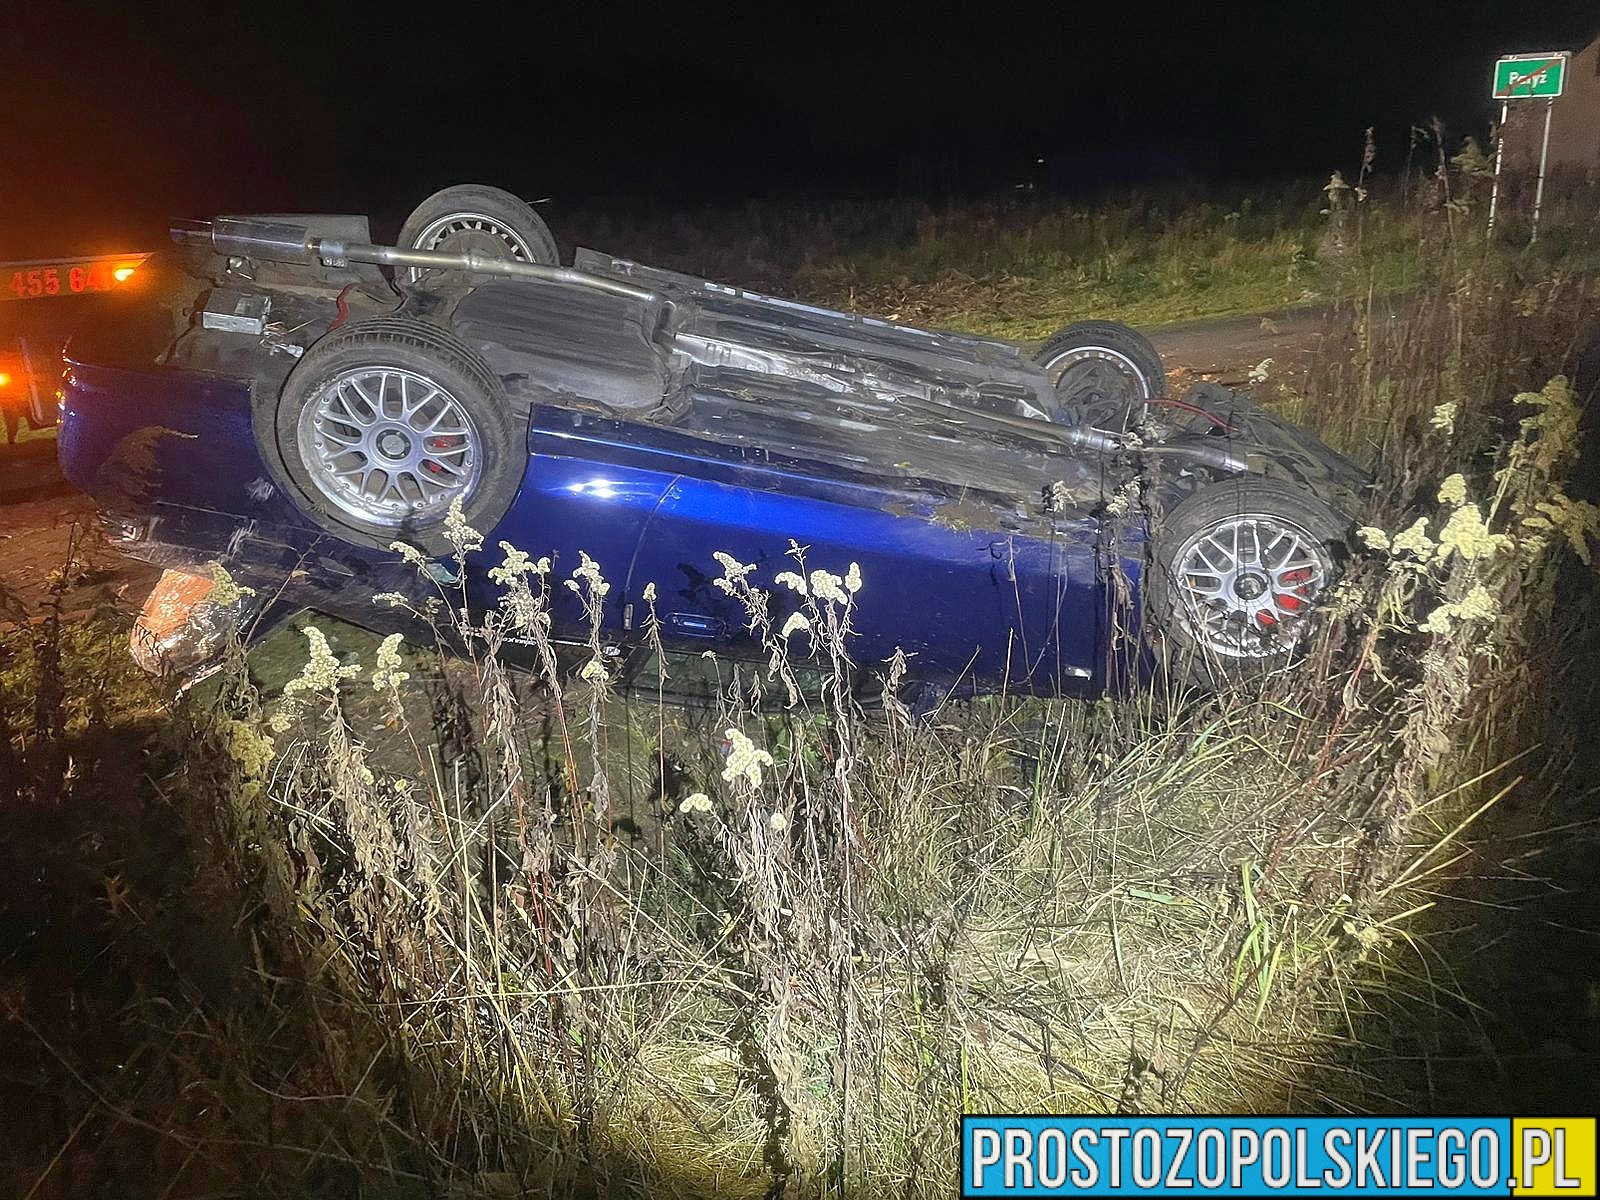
389 445
471 231
1089 368
1247 585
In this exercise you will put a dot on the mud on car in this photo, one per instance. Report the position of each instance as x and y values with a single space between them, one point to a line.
284 396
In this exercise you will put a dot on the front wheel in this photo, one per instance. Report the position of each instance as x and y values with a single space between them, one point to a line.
1104 373
1235 574
383 426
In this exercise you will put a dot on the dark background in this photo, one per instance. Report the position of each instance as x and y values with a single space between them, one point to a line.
115 115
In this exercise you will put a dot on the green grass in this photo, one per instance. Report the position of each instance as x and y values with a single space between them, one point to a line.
25 434
1024 274
1022 267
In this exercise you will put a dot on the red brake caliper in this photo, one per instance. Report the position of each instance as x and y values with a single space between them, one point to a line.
437 444
1298 593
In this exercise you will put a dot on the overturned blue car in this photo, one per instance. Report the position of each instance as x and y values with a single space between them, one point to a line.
283 396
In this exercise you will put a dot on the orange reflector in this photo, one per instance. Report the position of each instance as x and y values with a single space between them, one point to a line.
165 618
5 380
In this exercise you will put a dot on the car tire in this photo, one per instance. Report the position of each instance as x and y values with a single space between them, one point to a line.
474 216
1104 367
371 462
1235 571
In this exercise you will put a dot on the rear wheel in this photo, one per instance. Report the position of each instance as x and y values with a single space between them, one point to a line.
1235 575
383 426
473 217
1103 371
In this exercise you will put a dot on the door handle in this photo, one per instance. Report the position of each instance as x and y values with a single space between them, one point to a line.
1005 554
691 624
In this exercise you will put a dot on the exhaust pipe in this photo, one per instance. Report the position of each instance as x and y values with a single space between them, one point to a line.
271 241
1207 453
247 238
338 254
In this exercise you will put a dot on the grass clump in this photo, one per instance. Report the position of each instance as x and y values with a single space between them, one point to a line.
1019 266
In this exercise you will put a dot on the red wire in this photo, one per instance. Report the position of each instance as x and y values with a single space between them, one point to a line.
344 309
1193 408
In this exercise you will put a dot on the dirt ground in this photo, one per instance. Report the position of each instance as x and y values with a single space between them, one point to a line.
1226 351
35 536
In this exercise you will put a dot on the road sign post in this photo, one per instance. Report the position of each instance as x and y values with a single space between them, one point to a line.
1527 77
1544 157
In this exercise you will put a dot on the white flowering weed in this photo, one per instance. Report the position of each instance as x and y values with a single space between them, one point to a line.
825 585
745 760
798 622
458 533
588 573
386 673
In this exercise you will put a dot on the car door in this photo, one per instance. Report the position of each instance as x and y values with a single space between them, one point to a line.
961 600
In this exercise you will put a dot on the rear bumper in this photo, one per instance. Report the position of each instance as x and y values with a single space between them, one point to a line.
135 537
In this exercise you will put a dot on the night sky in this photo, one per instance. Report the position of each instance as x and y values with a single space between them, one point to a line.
114 116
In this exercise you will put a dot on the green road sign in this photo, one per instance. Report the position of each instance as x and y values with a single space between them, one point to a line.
1530 76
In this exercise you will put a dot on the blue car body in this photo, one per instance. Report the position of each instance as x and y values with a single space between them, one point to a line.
173 462
970 567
